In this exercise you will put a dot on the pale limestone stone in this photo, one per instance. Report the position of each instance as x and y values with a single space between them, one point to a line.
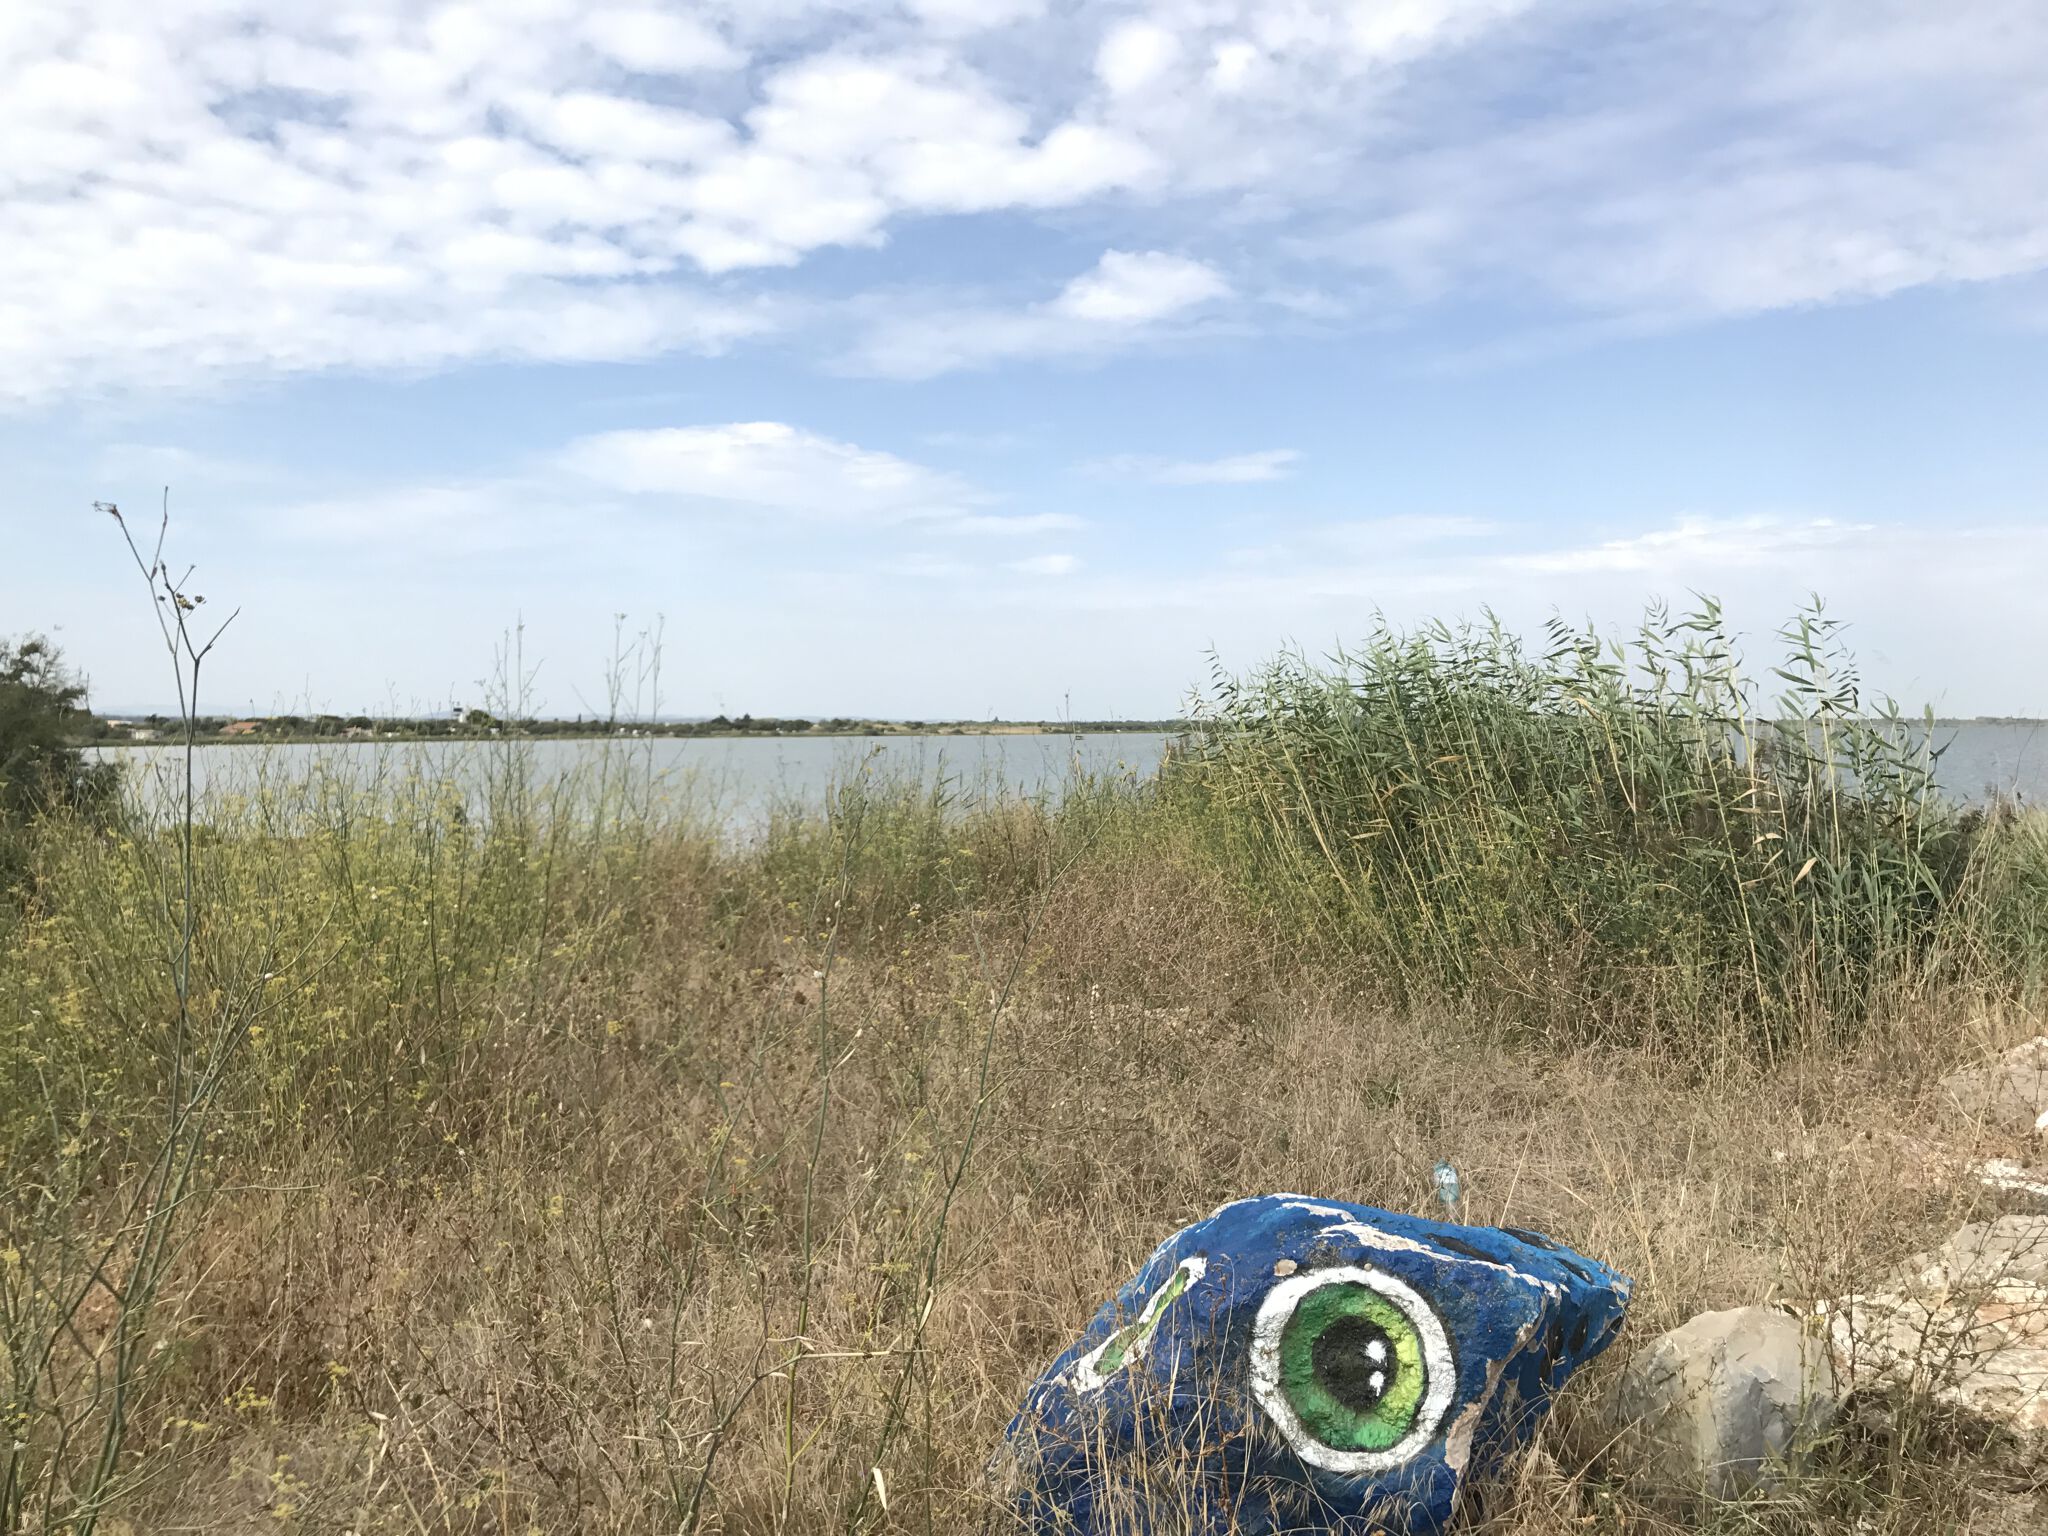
1729 1402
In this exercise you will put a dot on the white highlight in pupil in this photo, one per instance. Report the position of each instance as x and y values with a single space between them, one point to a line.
1376 1351
1378 1381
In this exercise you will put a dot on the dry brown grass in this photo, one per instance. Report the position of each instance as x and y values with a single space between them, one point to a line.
593 1307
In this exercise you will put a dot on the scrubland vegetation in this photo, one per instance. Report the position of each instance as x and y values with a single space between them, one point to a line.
385 1156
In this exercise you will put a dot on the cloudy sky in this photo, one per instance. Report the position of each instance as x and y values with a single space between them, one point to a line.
957 357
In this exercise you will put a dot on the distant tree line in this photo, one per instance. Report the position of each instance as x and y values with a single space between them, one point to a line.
479 723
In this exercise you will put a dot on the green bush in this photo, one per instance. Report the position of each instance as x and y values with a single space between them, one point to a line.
42 718
43 769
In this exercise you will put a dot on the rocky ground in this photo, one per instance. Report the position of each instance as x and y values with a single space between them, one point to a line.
1741 1402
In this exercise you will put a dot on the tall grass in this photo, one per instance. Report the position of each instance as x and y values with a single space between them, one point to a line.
1621 834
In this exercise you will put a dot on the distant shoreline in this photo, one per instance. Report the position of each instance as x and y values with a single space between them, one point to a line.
261 731
288 730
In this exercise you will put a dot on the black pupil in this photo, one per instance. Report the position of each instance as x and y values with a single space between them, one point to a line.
1354 1360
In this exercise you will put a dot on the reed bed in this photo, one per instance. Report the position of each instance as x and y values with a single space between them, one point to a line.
1617 837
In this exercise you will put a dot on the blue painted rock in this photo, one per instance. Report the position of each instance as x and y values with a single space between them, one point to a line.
1300 1365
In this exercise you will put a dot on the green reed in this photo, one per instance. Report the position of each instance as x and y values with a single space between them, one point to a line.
1629 833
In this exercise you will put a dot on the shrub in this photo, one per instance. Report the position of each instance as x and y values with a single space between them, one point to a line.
42 719
43 768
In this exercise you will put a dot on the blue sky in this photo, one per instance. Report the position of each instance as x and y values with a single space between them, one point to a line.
969 357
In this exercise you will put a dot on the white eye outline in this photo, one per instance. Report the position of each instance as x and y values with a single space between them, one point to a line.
1087 1375
1441 1373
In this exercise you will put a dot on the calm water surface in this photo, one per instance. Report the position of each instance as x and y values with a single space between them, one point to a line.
740 778
1995 759
743 778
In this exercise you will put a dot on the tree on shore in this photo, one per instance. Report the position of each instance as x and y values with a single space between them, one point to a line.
42 719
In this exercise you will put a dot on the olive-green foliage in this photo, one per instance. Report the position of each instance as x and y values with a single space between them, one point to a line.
1623 833
886 855
378 931
395 934
42 768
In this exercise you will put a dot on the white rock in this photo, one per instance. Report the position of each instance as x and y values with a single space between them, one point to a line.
1966 1324
1728 1402
2009 1092
2011 1177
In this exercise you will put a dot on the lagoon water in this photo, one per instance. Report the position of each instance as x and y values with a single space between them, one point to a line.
2009 759
742 778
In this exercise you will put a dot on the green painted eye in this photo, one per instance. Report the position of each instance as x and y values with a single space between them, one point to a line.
1130 1341
1353 1366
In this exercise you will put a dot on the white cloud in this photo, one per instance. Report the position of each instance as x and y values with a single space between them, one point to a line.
953 17
586 499
1134 55
1138 287
659 42
1046 565
1401 29
767 464
1701 544
641 477
1235 469
1419 568
192 191
454 518
195 191
1234 67
591 123
1832 154
1123 298
843 141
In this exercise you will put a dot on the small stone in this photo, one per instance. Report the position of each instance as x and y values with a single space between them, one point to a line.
2009 1092
1726 1404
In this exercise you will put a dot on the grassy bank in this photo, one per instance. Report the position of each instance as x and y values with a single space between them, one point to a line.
572 1167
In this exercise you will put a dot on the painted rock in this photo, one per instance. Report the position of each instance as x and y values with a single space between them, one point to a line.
1302 1365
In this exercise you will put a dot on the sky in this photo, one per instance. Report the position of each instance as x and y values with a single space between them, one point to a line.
1025 358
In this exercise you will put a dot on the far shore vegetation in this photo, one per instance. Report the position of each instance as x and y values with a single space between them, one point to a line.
380 1160
482 724
115 730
